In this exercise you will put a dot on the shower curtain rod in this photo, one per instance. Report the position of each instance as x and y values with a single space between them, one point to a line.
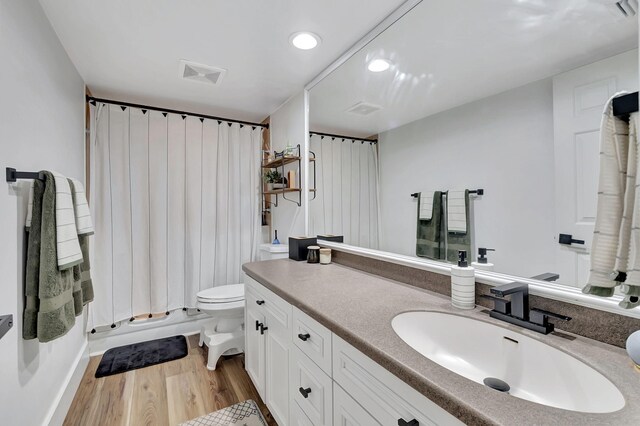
329 135
92 100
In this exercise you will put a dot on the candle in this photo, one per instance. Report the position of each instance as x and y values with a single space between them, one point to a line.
325 256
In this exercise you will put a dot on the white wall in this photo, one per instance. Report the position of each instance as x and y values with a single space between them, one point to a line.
287 127
42 110
503 144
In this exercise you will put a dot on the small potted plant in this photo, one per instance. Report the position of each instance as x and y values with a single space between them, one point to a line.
274 180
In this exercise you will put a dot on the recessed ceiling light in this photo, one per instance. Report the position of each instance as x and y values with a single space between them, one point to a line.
304 40
379 65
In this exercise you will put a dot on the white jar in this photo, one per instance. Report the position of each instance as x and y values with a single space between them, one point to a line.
325 256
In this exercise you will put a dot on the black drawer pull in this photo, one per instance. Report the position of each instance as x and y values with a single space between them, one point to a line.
258 325
260 302
304 337
305 392
263 328
402 422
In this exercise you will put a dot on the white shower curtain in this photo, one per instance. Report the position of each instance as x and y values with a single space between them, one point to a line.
347 190
175 200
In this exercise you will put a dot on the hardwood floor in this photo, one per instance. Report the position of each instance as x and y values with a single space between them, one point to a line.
164 394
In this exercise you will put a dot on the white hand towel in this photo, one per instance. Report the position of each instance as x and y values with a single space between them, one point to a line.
27 223
426 205
457 212
614 155
82 213
631 287
67 244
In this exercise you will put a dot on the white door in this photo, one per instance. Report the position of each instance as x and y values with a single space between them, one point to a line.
254 345
579 97
277 354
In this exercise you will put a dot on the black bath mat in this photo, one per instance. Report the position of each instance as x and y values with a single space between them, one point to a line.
139 355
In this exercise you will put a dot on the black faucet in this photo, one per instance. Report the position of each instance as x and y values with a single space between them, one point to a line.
519 298
516 311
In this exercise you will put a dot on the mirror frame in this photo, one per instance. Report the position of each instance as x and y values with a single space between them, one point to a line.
561 293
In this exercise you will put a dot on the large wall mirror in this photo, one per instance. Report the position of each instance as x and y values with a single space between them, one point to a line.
474 127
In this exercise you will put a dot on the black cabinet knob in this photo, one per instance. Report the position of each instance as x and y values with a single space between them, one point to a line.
305 392
260 302
304 337
263 328
403 422
258 325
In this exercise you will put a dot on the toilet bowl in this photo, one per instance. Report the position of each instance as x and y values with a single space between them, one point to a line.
224 334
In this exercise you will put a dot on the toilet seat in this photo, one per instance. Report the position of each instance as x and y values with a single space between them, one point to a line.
228 307
224 294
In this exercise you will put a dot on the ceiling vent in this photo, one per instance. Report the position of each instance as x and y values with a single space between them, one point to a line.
629 8
201 73
364 108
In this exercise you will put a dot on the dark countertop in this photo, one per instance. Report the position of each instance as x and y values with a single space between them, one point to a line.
359 307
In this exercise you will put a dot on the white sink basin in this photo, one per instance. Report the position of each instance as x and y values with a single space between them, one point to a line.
533 370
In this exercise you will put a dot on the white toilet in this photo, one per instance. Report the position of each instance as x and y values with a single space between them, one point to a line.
224 335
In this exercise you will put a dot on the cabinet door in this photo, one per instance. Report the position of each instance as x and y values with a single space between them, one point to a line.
347 412
254 347
277 355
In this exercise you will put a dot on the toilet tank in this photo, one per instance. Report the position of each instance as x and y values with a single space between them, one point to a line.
273 251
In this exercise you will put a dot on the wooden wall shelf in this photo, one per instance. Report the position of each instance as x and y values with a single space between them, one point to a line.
279 163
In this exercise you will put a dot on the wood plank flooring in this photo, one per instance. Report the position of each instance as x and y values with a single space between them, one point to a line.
162 395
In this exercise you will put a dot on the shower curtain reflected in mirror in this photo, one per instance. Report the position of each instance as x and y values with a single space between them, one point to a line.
347 190
176 206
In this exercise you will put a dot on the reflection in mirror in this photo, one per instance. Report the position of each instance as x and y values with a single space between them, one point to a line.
503 96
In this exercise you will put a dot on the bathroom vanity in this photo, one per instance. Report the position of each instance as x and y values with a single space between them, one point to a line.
321 350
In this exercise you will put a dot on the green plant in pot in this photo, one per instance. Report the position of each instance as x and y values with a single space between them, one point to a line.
274 180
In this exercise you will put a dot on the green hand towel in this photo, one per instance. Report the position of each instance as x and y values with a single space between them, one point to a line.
457 241
85 269
51 314
429 235
32 273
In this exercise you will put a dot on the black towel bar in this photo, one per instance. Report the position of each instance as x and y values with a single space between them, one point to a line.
13 175
471 191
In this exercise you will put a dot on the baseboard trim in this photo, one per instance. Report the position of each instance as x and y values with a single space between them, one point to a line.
63 400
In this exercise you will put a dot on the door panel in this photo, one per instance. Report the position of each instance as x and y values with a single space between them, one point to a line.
579 97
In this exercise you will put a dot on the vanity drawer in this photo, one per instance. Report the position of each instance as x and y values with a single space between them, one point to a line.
311 389
298 417
385 397
347 412
268 303
313 339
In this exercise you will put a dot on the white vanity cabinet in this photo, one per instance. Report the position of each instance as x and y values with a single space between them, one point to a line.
268 348
308 376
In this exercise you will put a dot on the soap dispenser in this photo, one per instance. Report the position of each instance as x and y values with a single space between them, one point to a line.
463 283
483 262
